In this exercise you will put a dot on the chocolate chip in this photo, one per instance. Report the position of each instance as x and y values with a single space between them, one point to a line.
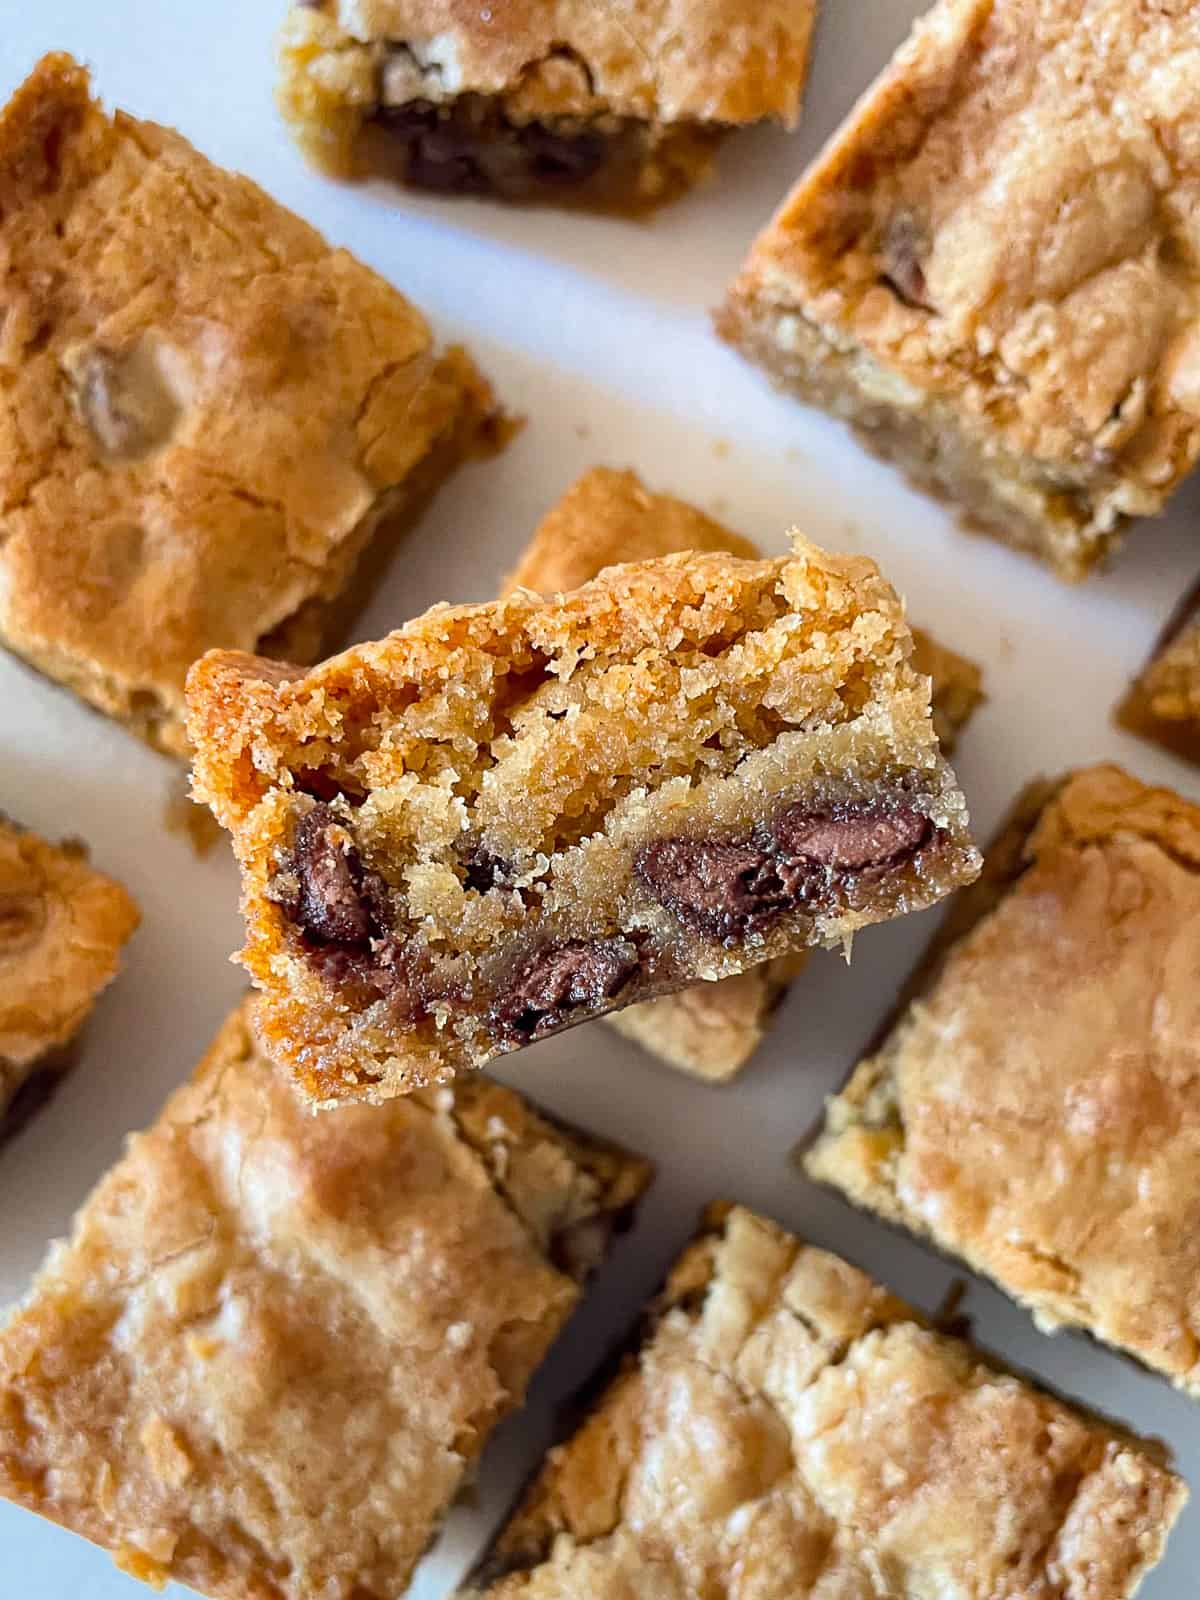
484 869
724 887
580 974
904 245
560 157
335 899
850 840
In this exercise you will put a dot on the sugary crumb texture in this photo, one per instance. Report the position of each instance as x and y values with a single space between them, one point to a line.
62 928
207 414
504 819
275 1343
619 106
994 267
607 517
790 1431
1036 1108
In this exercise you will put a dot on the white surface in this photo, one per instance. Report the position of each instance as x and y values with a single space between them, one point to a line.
597 331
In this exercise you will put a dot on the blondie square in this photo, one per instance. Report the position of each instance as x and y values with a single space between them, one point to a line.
1035 1107
609 517
993 269
62 928
787 1430
616 107
275 1343
506 819
1163 701
208 416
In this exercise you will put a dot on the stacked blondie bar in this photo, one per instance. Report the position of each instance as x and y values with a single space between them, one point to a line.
641 786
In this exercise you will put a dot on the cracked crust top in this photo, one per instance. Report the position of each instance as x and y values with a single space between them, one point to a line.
789 1429
1008 220
204 406
725 61
275 1342
62 926
1036 1108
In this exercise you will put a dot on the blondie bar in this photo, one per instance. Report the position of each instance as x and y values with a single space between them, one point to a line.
608 517
62 927
993 269
788 1429
1163 702
275 1343
506 819
1035 1106
616 107
208 417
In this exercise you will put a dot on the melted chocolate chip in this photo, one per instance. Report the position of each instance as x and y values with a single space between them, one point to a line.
484 869
336 901
564 158
580 974
729 887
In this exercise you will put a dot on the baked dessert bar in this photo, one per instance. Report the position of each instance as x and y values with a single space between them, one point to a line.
1035 1106
275 1344
62 928
210 423
1163 701
506 819
608 517
616 107
788 1430
992 270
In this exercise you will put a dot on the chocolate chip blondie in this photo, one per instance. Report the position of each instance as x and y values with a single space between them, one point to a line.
62 928
615 107
1163 702
275 1343
608 517
1035 1106
993 269
506 819
211 422
788 1430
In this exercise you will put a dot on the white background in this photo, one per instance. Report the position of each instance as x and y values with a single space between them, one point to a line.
598 332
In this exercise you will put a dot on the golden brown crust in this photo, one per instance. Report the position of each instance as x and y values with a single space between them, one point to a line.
554 743
788 1429
208 413
1163 701
62 927
1034 1108
276 1342
997 247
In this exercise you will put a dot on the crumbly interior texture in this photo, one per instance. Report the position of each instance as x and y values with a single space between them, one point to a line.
1035 1108
790 1430
607 517
275 1343
207 415
505 819
618 106
993 268
62 928
1163 701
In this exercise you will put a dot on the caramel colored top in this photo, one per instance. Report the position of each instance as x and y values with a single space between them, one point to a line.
1009 219
62 926
792 1432
202 406
1036 1110
275 1342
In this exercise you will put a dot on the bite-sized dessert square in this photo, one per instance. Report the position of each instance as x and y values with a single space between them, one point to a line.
608 517
62 928
1034 1108
993 269
1163 701
506 819
267 1358
211 422
788 1430
615 107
